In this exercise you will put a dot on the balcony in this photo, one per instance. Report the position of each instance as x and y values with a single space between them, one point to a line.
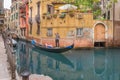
30 21
1 22
37 18
22 5
23 15
71 19
2 12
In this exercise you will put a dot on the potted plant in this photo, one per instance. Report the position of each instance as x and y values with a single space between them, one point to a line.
48 16
62 15
71 14
55 15
43 16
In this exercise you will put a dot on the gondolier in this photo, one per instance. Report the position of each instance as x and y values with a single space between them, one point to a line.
57 37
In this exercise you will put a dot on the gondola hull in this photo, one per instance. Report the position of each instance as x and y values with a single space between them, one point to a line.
55 50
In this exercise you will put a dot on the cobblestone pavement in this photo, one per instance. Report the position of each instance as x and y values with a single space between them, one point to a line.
4 73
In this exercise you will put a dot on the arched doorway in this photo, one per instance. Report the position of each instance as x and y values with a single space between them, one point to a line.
99 35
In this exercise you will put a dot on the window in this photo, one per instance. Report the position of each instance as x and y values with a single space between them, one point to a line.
12 18
16 15
11 10
108 15
49 32
31 20
31 12
50 9
104 15
1 21
1 11
16 6
38 29
79 31
38 8
30 28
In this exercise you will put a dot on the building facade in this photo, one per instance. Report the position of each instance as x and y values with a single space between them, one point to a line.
7 19
1 15
24 18
14 20
46 19
111 11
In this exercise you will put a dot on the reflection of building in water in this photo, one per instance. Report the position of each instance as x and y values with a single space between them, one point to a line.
99 61
50 62
57 65
38 69
98 64
23 53
31 63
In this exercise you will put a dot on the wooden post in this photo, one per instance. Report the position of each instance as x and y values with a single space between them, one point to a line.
14 66
25 75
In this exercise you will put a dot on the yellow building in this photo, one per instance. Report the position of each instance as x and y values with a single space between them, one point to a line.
46 19
7 18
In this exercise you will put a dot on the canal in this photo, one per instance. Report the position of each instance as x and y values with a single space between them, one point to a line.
92 64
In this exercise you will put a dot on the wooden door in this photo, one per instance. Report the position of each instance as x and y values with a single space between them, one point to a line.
99 33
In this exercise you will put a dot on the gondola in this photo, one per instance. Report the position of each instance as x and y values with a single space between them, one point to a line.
54 49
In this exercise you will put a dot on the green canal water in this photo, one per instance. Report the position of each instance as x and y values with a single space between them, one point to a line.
93 64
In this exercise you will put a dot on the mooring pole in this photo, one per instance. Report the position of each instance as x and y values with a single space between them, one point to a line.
25 75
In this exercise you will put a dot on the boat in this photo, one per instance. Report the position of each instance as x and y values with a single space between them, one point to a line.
54 49
14 43
49 49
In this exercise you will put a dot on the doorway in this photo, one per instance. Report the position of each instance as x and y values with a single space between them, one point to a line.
99 35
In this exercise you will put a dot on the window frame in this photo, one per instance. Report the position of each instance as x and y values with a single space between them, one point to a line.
79 32
49 32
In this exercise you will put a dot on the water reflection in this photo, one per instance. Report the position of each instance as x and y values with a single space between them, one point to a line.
95 64
99 61
31 63
38 69
50 63
22 57
54 56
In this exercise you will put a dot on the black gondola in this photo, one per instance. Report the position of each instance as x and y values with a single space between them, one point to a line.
55 49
